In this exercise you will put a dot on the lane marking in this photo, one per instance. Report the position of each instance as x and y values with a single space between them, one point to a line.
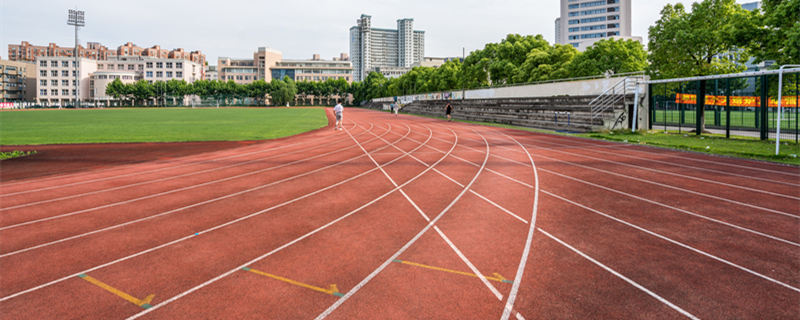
675 242
332 289
290 243
193 235
626 279
512 296
154 195
144 303
375 272
154 181
441 234
496 276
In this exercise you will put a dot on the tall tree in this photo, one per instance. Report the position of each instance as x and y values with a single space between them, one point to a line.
615 56
116 89
772 33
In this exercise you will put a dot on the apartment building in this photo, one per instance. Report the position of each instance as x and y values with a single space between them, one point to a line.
96 51
244 71
584 22
314 69
373 48
56 75
17 81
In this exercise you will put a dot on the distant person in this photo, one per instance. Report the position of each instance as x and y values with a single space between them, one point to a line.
395 108
337 111
448 109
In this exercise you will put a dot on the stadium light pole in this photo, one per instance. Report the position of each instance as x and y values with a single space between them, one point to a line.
75 18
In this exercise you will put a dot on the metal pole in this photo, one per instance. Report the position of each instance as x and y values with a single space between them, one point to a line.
77 69
635 107
780 92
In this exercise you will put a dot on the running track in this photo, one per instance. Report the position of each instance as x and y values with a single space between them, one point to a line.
407 218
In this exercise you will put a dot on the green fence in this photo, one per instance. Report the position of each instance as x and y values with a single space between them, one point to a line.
739 104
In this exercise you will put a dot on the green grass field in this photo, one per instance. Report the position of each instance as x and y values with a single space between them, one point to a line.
155 125
742 119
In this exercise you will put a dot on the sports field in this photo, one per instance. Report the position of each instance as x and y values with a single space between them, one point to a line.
155 125
402 218
739 119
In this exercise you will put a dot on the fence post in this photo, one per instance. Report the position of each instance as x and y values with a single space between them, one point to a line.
763 109
728 108
650 107
699 109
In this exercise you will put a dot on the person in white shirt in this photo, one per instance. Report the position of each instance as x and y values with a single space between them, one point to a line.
337 111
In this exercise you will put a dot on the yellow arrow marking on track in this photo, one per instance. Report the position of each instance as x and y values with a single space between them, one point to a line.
332 289
496 276
144 303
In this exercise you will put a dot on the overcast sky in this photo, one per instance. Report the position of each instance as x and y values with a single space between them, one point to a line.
298 28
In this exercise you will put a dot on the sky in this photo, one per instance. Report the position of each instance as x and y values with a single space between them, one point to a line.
297 28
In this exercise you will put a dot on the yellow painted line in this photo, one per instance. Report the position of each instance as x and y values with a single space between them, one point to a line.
496 276
144 303
332 289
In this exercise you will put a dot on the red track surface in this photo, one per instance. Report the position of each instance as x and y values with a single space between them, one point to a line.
409 218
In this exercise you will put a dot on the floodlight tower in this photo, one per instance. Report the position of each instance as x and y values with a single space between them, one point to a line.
75 18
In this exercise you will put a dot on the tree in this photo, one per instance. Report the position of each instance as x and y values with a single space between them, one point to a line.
616 56
696 44
142 90
116 89
771 35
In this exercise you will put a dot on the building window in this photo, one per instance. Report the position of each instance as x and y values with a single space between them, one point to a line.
120 67
54 82
73 64
178 64
179 74
73 83
74 73
54 92
43 83
43 73
159 65
65 73
169 65
65 82
110 66
43 92
65 64
149 64
74 92
141 67
43 63
159 74
130 67
169 74
149 74
65 92
54 64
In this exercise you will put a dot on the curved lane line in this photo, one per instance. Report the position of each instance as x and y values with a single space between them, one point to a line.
286 245
374 273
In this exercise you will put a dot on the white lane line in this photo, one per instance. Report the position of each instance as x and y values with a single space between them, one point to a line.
640 198
668 163
676 209
619 275
471 266
680 244
194 235
286 245
189 206
374 273
512 296
441 234
154 181
668 186
154 195
668 153
131 165
520 317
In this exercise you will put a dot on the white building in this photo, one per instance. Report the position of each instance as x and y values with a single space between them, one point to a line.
373 48
56 75
584 22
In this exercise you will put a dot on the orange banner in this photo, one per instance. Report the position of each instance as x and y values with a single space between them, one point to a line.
736 101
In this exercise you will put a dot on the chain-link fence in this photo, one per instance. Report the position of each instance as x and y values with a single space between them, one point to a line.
735 104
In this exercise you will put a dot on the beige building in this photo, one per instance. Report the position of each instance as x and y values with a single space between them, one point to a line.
248 70
98 81
314 69
17 81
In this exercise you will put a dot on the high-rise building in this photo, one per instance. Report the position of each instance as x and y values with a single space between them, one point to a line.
584 22
373 49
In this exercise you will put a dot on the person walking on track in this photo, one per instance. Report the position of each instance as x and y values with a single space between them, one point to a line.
448 109
337 111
